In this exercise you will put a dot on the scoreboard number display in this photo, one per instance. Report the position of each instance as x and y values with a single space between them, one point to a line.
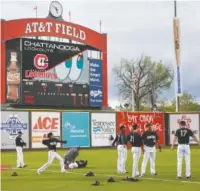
52 93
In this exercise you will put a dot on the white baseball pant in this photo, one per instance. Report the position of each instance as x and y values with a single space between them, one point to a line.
20 157
122 157
183 151
51 156
149 153
73 165
136 151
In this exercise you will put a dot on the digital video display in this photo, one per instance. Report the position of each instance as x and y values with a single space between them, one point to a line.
54 73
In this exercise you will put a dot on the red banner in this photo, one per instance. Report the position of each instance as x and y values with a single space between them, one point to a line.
141 119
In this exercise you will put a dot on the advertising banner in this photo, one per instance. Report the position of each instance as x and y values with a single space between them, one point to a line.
43 123
13 73
75 129
141 119
103 126
11 123
192 122
49 67
95 82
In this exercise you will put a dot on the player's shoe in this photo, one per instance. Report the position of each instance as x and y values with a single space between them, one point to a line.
154 174
188 177
138 175
179 177
24 166
133 179
19 167
38 172
142 175
64 171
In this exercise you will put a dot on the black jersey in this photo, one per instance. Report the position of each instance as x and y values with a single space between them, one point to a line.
183 135
52 143
120 139
149 138
19 142
135 139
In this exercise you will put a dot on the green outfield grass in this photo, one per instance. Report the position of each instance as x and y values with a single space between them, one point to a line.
103 163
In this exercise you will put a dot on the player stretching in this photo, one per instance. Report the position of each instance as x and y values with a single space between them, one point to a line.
121 142
183 135
150 139
135 139
51 143
70 157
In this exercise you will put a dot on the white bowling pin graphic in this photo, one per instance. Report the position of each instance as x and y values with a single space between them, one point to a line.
63 70
77 67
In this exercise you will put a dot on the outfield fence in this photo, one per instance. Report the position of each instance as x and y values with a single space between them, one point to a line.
87 129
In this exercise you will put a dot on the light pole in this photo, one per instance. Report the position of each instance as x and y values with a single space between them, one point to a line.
177 54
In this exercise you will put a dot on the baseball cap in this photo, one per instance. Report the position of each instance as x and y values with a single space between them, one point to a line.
19 132
183 123
122 127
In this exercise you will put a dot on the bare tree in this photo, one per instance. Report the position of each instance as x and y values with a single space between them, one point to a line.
144 77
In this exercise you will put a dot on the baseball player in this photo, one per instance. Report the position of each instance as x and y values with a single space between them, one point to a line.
150 140
70 157
19 148
135 139
121 142
51 143
183 136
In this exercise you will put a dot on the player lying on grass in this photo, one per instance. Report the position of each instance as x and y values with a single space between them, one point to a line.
70 157
50 141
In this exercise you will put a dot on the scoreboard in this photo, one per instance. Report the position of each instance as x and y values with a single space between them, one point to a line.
52 74
51 93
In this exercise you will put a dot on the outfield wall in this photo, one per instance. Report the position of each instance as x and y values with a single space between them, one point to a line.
87 129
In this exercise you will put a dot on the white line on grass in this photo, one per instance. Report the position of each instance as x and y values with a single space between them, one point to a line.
154 179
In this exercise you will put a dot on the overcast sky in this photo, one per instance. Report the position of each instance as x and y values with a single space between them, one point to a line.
134 28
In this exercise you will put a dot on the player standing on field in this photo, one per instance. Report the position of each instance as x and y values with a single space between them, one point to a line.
183 136
51 143
135 139
121 142
150 140
19 148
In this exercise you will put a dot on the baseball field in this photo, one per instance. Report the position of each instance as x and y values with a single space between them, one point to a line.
103 163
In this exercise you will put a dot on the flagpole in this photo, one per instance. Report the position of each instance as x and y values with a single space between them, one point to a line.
177 51
70 16
133 100
36 17
70 40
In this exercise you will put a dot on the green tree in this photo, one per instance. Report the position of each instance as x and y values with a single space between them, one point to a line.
144 78
187 104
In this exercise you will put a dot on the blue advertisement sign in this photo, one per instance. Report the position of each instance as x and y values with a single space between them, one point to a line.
95 82
96 96
75 129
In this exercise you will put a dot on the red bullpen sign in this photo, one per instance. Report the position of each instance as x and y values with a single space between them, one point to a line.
141 119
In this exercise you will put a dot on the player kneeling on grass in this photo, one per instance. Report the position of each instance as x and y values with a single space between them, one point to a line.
183 136
150 140
51 143
70 157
